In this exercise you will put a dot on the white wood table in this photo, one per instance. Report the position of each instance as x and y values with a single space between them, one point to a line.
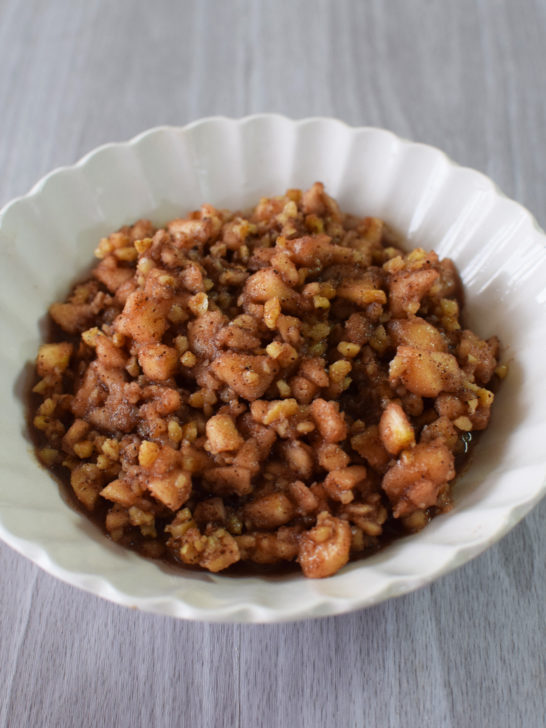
468 76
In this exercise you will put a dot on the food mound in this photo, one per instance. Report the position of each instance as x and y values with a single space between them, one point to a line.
284 386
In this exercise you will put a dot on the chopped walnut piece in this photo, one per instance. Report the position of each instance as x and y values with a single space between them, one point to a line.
53 359
86 480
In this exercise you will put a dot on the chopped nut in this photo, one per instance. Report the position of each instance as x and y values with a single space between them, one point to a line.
181 343
274 349
47 407
53 359
41 387
145 265
285 354
129 253
147 453
40 422
103 462
188 359
321 302
339 370
346 348
175 431
142 246
463 423
199 303
272 311
177 315
49 456
501 371
90 336
280 409
284 388
103 248
190 432
379 340
111 448
83 449
319 331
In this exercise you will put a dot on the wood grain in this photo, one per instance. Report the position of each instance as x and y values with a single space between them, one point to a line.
469 77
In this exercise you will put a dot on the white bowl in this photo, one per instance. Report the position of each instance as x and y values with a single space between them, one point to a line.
47 239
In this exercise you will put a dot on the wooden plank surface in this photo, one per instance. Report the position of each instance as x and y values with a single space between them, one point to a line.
468 76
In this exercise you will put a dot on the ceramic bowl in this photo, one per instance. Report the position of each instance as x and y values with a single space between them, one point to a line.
47 239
